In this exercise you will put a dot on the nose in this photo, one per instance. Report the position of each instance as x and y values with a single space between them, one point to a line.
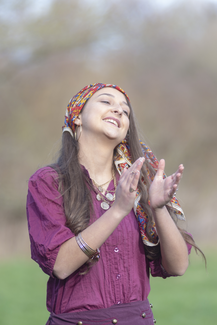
117 110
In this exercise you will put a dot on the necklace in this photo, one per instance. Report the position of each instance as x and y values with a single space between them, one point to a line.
108 199
100 187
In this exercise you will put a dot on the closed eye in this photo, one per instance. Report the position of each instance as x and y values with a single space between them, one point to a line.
126 113
105 102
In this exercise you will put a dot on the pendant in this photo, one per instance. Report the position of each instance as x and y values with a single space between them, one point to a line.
105 206
98 197
100 189
110 197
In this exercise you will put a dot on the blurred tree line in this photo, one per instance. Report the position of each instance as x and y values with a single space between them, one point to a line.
166 60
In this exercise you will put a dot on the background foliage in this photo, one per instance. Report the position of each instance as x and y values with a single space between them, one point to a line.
164 59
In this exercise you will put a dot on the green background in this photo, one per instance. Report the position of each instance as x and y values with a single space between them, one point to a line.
190 299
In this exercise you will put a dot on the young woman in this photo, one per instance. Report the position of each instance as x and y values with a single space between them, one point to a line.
103 217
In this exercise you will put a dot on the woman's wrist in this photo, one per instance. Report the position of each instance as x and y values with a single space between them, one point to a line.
158 211
156 208
117 212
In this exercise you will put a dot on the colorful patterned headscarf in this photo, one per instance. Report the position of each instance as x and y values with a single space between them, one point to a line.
122 160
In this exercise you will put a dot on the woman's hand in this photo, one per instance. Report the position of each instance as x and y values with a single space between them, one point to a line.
174 253
127 187
162 189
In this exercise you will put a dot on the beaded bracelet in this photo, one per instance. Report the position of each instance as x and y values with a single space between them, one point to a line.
92 254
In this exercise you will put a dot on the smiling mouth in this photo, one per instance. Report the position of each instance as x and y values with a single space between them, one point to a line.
112 122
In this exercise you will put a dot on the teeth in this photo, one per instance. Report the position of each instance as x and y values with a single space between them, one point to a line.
112 121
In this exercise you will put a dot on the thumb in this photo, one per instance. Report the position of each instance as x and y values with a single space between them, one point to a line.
160 170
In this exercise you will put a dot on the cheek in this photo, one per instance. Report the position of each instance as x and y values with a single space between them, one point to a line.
127 124
90 119
87 116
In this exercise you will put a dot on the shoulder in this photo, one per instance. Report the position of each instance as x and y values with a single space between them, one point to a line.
44 172
44 175
43 188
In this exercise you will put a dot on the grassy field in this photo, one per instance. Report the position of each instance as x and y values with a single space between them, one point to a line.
191 299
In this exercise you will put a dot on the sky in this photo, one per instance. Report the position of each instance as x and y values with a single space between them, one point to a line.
42 5
167 3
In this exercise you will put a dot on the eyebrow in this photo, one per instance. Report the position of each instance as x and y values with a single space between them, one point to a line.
113 97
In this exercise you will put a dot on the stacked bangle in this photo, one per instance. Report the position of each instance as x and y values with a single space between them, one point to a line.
91 253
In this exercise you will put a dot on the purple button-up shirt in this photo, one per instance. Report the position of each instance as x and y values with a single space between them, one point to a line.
120 276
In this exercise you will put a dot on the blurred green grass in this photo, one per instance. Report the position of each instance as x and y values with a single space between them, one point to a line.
190 299
22 293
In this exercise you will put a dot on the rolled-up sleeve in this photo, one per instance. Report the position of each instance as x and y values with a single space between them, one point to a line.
46 218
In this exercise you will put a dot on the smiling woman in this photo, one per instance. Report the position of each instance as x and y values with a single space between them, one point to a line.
102 217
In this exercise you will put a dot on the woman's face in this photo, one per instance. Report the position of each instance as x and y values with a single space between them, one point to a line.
106 114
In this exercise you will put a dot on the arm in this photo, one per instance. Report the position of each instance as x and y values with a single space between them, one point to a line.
173 247
70 257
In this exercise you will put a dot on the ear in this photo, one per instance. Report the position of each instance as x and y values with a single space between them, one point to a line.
78 120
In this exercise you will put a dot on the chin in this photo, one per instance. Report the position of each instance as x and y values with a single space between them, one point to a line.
114 136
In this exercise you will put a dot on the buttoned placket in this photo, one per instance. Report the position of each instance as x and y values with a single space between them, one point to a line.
118 275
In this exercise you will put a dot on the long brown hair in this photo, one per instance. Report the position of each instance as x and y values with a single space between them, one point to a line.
76 194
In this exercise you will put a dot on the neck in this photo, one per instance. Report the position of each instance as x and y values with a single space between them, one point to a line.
97 157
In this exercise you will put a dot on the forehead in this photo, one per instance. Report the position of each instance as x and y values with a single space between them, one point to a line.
111 91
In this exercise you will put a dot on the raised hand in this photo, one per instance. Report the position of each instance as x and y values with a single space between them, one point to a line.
127 187
162 190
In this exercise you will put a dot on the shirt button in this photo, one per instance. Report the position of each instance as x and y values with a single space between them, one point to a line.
79 323
118 276
114 321
116 250
118 302
143 315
